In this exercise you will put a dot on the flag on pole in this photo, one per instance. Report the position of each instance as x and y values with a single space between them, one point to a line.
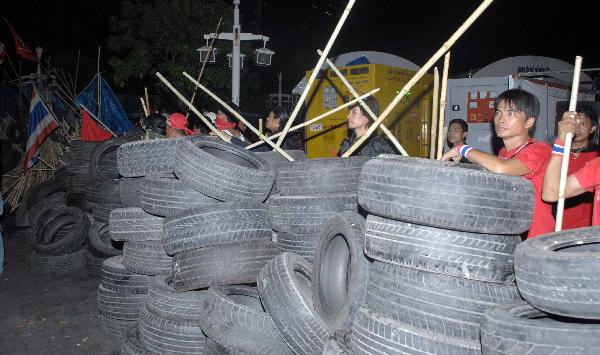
41 124
90 131
20 45
3 54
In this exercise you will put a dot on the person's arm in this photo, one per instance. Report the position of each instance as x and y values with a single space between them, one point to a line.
512 166
552 176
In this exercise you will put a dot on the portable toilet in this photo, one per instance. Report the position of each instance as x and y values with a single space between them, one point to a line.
409 121
472 99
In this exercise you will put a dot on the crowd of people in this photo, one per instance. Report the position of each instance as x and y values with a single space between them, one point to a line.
516 112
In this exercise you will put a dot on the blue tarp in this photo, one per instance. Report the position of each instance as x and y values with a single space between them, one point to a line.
111 112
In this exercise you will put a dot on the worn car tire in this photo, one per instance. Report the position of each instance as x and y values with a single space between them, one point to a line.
147 157
130 190
483 257
56 265
131 344
284 285
165 301
424 191
302 244
76 225
100 243
119 305
132 224
115 277
116 327
340 270
147 257
558 272
103 163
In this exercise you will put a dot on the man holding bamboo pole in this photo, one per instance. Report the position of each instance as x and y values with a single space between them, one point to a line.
516 113
584 180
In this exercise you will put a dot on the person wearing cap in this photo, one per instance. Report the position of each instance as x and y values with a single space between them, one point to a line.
177 126
154 125
358 122
581 207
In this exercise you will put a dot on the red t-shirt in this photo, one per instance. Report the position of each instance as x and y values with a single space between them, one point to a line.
535 155
589 179
578 209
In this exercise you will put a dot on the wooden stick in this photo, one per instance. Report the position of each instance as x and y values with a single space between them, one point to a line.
191 107
315 72
364 105
564 168
260 125
304 124
144 107
210 49
442 112
147 101
77 71
419 74
99 88
239 117
434 113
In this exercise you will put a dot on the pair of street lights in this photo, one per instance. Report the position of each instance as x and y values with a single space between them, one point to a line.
262 56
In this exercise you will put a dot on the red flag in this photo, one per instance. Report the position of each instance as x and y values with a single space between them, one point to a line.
90 130
20 45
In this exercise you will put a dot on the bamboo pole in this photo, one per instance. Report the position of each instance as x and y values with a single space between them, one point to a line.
99 88
147 110
419 74
364 105
260 125
239 117
210 49
442 112
77 71
560 207
144 107
315 72
191 107
434 113
313 120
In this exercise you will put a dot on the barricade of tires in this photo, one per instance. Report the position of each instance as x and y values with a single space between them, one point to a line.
557 275
442 254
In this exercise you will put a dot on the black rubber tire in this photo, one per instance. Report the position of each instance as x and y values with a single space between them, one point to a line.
558 272
214 348
308 214
116 278
284 285
102 167
425 191
93 265
101 211
221 264
130 190
234 317
147 258
82 149
56 265
167 336
79 200
44 189
132 224
119 305
302 244
320 176
73 240
131 344
436 303
521 329
100 243
223 171
483 257
166 195
116 327
39 213
147 157
373 333
78 183
106 192
340 270
217 223
277 161
165 301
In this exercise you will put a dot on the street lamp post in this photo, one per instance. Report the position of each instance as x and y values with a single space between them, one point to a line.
236 37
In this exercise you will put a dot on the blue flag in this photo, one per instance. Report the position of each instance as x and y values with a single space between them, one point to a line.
111 112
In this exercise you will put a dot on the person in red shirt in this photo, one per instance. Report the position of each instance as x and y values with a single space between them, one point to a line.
586 179
516 112
578 209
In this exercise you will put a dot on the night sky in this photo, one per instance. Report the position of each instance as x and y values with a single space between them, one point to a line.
410 29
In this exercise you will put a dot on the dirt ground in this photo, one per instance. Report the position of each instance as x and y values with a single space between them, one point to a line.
44 315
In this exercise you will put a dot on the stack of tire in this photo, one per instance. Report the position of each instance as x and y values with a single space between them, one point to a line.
216 228
309 193
557 275
442 236
100 248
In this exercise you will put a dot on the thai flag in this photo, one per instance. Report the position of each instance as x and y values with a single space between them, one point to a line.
41 124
